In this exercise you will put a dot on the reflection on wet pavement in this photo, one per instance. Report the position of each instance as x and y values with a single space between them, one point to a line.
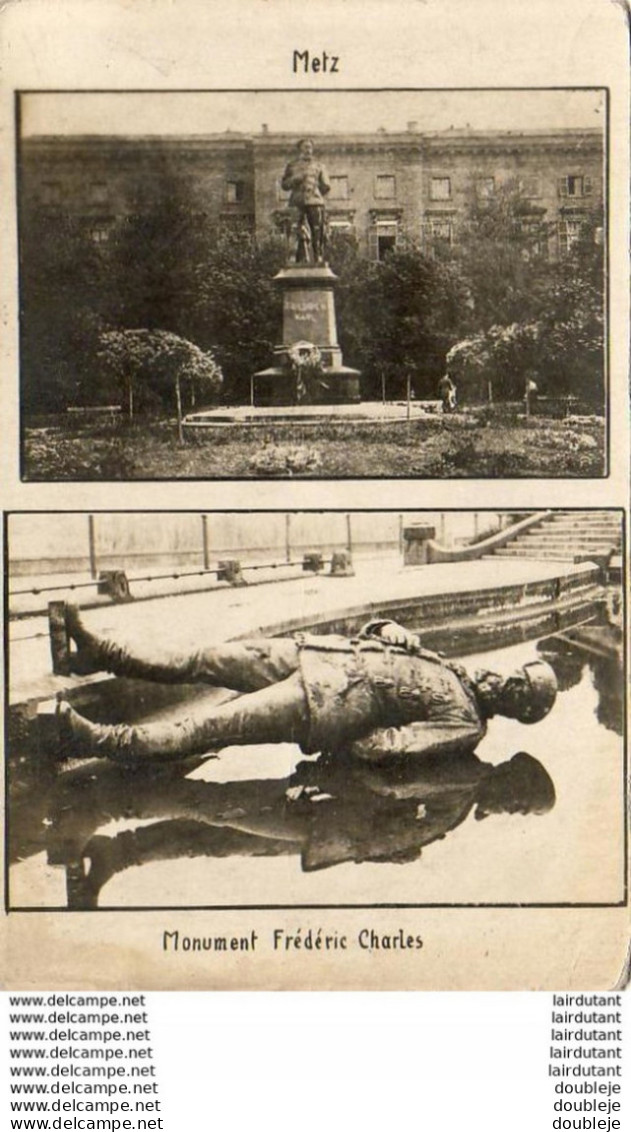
600 650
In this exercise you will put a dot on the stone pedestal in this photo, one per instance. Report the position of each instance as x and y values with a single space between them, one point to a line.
416 540
342 564
308 317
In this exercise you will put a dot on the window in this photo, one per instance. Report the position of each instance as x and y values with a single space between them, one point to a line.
234 192
534 237
575 185
385 187
339 188
385 244
485 187
569 233
530 187
100 232
440 188
439 231
342 231
384 236
343 226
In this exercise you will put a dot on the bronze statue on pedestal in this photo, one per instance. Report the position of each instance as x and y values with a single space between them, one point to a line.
308 184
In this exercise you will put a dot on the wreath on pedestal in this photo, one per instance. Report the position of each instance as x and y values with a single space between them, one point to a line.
307 369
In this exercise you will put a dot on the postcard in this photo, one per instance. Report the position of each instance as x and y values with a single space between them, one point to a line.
315 488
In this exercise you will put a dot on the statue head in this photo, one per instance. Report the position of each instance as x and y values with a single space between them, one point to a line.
527 695
305 147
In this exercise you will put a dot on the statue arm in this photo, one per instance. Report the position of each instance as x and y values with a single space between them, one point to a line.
324 184
418 739
391 633
287 183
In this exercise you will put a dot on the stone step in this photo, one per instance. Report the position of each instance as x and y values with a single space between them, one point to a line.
569 544
567 536
534 557
587 513
565 549
592 529
570 532
582 517
600 525
567 540
577 528
569 520
555 554
571 512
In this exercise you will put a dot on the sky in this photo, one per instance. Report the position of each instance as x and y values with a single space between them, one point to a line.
207 112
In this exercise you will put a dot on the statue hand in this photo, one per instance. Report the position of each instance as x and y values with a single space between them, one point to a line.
393 634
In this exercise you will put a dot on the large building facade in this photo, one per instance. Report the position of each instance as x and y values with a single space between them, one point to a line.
384 186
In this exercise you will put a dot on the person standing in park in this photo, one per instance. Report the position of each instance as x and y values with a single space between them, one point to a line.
447 393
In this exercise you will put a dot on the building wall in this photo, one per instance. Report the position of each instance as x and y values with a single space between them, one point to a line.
102 181
536 166
234 179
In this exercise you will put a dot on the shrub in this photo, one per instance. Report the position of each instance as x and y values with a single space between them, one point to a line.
285 460
149 367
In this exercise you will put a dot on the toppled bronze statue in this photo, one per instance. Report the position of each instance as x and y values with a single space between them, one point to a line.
379 696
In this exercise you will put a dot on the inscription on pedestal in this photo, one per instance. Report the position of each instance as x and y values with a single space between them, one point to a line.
309 315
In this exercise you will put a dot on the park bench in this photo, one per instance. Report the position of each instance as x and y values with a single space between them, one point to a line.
95 412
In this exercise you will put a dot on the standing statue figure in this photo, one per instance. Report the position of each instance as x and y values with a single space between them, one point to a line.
307 182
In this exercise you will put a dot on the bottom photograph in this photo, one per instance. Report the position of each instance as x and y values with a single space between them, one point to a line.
263 710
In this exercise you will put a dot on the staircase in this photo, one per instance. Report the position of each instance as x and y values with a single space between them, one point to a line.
568 536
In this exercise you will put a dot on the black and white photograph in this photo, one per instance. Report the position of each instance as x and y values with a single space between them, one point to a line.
314 493
298 710
323 284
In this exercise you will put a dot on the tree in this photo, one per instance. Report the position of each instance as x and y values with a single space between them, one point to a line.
394 315
63 307
529 314
149 368
154 251
162 267
496 361
572 324
235 308
502 254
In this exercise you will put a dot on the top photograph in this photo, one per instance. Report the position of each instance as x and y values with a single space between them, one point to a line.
332 284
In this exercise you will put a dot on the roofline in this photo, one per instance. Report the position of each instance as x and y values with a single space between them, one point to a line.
271 139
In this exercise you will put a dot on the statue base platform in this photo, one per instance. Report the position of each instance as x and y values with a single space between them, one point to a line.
289 417
308 320
276 386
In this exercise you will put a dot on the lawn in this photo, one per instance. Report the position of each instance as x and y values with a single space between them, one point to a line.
482 444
